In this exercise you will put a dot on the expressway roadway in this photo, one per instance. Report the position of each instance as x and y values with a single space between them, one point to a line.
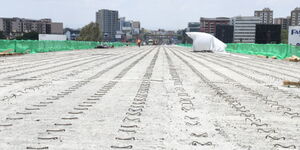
153 97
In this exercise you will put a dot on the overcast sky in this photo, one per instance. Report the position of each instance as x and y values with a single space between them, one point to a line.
153 14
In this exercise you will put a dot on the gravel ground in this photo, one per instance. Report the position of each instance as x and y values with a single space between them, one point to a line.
164 98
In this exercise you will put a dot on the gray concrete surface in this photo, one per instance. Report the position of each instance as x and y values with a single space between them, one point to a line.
162 98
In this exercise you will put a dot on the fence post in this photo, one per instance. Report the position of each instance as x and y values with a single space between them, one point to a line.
15 49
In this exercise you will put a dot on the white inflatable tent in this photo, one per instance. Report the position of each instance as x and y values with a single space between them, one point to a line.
206 42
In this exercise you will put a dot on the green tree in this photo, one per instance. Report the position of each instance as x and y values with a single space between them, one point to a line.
90 32
2 36
284 36
29 36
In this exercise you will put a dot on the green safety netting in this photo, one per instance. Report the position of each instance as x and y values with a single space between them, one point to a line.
34 46
280 51
185 45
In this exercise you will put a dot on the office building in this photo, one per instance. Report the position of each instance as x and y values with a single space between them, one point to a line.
268 33
208 25
108 23
127 29
224 33
295 17
136 24
136 27
284 22
13 27
244 28
193 27
265 15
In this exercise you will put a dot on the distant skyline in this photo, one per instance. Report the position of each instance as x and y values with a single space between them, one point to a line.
153 14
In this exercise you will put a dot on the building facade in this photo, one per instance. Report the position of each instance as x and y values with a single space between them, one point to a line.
136 27
208 25
193 27
224 33
268 34
284 22
127 29
244 28
72 34
108 23
295 17
13 27
265 15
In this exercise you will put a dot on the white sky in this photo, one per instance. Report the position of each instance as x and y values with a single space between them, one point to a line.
153 14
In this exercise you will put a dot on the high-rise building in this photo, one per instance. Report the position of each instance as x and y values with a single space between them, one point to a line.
1 25
128 29
193 27
265 15
136 24
208 25
121 23
136 27
13 27
268 33
244 28
224 33
108 23
295 17
284 22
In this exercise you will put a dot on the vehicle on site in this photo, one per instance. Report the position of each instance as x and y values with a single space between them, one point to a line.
150 42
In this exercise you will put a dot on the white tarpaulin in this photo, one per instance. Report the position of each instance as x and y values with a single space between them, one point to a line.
52 37
206 42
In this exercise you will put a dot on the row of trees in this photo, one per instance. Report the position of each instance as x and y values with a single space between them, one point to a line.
26 36
90 32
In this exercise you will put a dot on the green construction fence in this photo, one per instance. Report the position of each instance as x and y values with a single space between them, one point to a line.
280 51
185 45
34 46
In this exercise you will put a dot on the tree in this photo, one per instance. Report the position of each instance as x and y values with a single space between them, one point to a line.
90 32
29 36
2 36
284 36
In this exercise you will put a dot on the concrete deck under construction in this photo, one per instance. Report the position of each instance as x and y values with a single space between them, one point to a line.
162 98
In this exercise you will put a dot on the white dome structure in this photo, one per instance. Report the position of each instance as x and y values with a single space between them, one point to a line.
206 42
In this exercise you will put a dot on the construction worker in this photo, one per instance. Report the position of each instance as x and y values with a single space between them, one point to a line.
139 41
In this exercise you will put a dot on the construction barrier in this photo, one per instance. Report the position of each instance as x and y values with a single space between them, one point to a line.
280 51
34 46
185 45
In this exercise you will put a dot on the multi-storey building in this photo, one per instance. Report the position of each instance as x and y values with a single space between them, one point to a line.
208 25
244 28
295 17
108 23
284 22
127 30
13 27
136 27
265 15
224 33
193 27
